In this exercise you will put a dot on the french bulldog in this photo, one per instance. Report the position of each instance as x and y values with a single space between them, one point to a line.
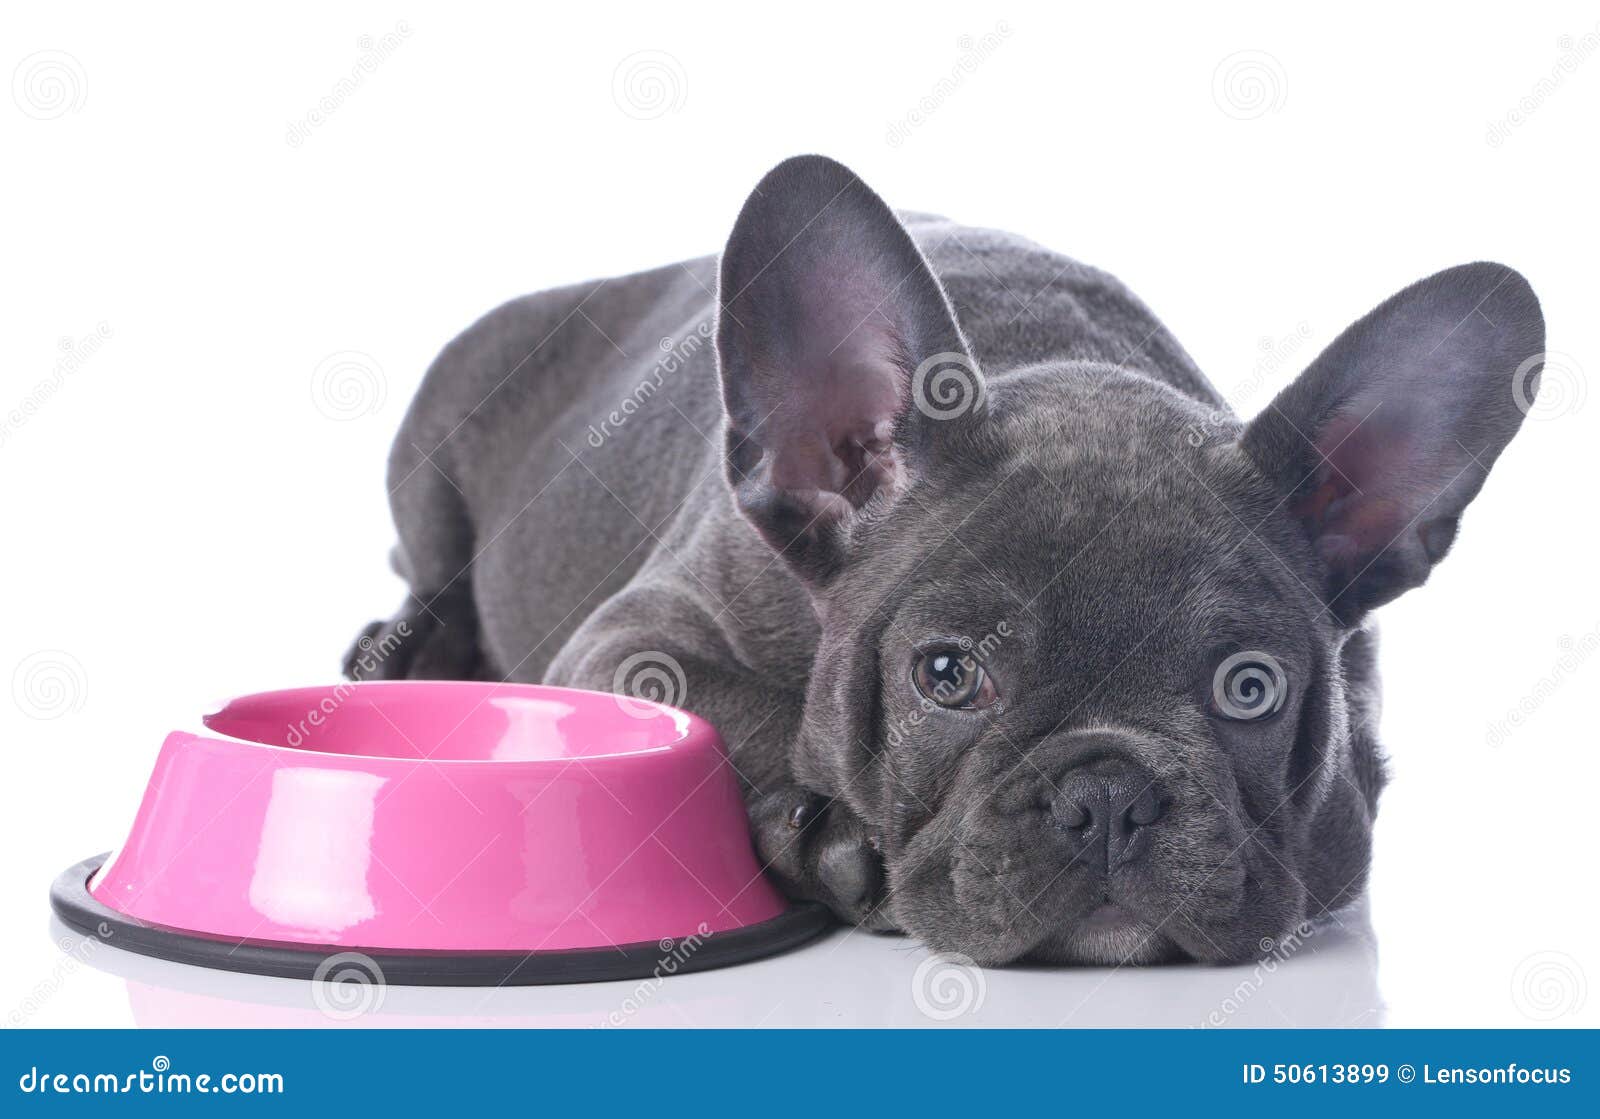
1022 643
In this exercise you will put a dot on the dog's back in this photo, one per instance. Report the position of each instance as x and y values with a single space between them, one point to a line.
567 436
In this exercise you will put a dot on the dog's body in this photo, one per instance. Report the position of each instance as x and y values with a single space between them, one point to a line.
517 403
612 478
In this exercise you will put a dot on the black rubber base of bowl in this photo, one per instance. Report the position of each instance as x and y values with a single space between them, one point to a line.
74 904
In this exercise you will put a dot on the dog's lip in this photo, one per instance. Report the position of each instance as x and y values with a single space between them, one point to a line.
1108 915
1109 935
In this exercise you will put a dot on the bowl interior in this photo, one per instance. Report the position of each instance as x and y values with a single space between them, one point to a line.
450 721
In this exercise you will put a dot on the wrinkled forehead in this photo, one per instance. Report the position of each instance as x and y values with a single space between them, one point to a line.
1144 552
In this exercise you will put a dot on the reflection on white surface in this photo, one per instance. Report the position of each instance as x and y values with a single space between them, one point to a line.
848 978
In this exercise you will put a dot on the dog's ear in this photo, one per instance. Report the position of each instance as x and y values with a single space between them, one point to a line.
1381 443
840 357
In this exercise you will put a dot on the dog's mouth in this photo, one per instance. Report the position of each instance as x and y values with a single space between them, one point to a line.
1003 916
1109 935
1107 916
1003 882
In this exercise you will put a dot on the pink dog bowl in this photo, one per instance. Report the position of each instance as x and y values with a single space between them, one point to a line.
456 833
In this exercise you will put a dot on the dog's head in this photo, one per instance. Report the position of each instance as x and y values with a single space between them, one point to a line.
1087 648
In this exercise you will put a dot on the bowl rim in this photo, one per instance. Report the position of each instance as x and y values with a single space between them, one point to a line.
692 731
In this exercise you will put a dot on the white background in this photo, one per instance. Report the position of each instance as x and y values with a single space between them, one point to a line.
186 517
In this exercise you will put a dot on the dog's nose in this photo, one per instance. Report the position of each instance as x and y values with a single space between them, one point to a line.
1109 810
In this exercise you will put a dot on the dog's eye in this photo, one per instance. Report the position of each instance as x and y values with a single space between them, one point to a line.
1248 687
952 678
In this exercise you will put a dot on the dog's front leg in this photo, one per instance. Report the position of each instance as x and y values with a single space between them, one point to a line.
815 847
818 849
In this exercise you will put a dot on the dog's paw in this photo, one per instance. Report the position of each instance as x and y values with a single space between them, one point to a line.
433 639
820 851
362 660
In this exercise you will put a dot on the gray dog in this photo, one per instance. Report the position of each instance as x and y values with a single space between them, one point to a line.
1021 642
